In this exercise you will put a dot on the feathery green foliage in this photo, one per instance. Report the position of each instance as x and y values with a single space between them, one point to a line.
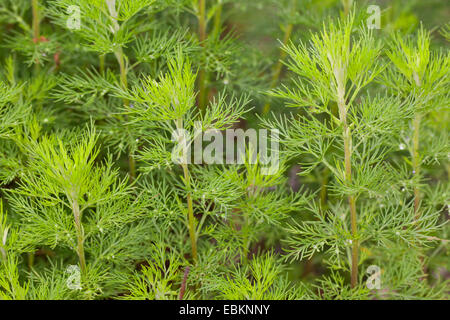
139 148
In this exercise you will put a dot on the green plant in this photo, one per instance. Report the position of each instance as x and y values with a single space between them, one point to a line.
352 141
424 75
145 153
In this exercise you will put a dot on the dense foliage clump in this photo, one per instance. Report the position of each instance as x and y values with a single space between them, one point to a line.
222 149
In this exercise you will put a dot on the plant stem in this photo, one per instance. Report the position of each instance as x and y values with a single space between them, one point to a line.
347 6
416 162
123 69
36 28
279 66
202 20
102 63
416 167
202 77
218 19
183 284
80 235
251 193
3 252
323 187
30 260
191 218
347 136
190 213
3 234
246 239
355 247
415 152
36 39
124 83
351 201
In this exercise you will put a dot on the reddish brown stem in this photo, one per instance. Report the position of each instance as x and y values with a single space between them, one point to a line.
183 284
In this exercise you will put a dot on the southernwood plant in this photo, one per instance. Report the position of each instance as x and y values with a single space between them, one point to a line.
222 149
352 131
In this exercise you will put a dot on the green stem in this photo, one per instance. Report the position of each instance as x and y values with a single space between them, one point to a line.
123 70
191 218
323 187
36 40
347 6
246 238
36 29
80 235
30 260
124 83
102 63
3 233
202 76
251 193
3 252
415 151
218 19
347 136
202 20
355 247
416 172
416 161
36 21
279 66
